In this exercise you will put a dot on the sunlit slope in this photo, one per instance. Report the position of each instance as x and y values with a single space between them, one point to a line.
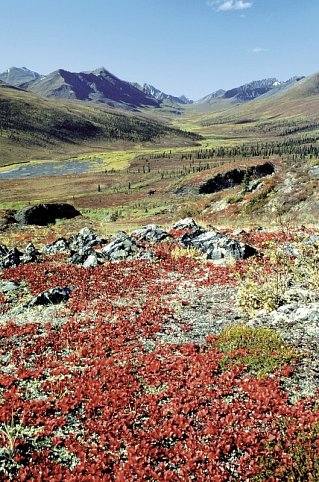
224 119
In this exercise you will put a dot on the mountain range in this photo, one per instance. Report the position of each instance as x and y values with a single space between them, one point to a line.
101 86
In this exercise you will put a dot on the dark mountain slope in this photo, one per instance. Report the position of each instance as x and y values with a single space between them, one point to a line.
97 86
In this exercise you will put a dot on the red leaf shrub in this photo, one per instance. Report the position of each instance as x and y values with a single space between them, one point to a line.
91 402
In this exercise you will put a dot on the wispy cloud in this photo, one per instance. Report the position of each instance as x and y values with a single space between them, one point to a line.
228 5
258 50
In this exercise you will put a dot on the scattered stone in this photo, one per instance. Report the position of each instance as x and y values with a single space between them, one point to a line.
219 246
122 247
44 214
8 286
150 233
61 245
147 255
80 256
186 223
11 259
52 296
91 261
30 254
84 239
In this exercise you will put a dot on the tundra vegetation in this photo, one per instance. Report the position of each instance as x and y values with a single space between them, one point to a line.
166 364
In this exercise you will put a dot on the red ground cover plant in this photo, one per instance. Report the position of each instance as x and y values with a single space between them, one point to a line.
84 397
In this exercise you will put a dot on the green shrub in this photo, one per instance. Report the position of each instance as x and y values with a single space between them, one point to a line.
261 350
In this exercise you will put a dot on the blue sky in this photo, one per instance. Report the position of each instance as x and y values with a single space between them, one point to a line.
190 47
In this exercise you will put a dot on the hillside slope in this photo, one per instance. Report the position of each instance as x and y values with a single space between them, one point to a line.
32 126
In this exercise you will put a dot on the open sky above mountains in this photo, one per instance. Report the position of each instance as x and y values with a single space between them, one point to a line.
189 47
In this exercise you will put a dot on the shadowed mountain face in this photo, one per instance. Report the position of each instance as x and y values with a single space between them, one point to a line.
97 86
18 75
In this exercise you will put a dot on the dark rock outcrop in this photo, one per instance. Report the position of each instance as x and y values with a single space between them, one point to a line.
235 177
52 296
44 214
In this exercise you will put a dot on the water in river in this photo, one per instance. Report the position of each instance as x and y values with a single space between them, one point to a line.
55 168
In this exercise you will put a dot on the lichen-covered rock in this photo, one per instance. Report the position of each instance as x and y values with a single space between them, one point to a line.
218 246
85 239
30 254
61 245
150 233
92 261
122 247
186 223
11 259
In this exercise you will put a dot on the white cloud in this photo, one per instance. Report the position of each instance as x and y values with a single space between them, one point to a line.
258 50
228 5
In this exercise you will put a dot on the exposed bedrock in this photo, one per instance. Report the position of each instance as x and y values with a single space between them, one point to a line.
235 177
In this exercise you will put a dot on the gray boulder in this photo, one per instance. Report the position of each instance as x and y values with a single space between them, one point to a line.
9 286
84 239
30 254
92 261
61 245
11 259
44 214
122 247
186 223
150 233
186 238
219 246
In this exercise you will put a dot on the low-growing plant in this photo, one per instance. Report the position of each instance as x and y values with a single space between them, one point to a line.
260 350
301 456
9 434
266 285
188 211
189 252
235 199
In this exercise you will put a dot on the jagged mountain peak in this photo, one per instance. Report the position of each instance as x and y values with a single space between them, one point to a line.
252 90
159 95
97 86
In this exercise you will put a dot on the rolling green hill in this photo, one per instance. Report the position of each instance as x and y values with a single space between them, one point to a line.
33 127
